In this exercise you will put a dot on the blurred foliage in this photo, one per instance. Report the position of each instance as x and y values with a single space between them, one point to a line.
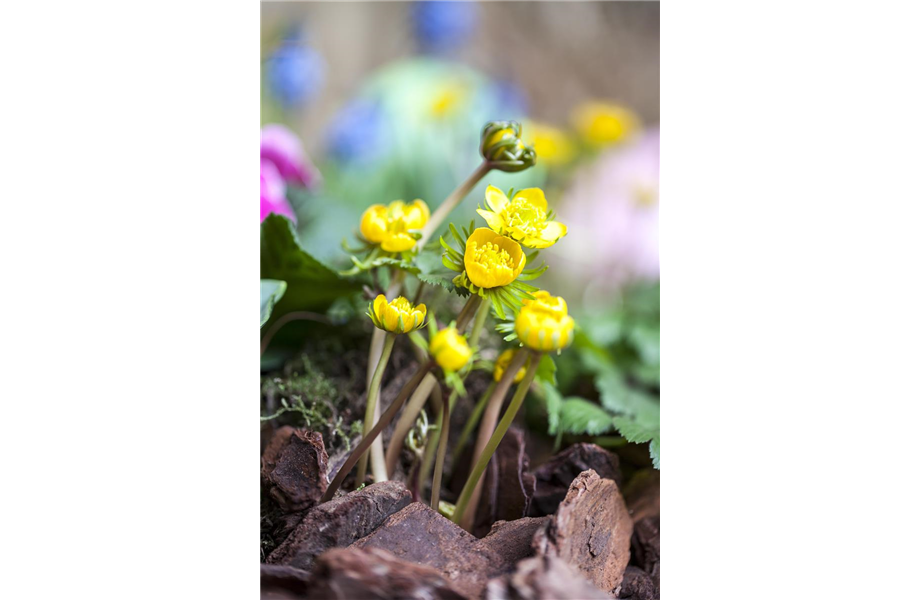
272 290
411 131
616 360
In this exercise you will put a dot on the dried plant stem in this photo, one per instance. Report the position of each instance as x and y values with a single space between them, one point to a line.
406 420
471 423
442 449
373 392
465 512
385 420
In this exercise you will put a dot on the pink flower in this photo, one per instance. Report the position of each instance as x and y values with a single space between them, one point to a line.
612 210
273 190
283 148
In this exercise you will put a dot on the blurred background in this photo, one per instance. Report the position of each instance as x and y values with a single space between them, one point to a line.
388 100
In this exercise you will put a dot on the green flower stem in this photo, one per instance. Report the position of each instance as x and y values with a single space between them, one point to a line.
406 420
373 360
385 420
440 436
466 507
452 201
434 442
490 417
481 315
372 393
473 421
444 430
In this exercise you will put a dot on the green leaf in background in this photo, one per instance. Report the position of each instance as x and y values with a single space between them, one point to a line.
546 370
581 416
272 291
311 285
554 404
639 418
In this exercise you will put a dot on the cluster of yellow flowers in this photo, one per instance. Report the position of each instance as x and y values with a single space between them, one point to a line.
391 226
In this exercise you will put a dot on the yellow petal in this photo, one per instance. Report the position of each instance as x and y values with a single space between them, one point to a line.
391 318
496 199
380 304
533 195
398 242
494 220
417 214
553 231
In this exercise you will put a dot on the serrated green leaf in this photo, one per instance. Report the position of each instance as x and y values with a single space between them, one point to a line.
433 279
272 291
581 416
311 285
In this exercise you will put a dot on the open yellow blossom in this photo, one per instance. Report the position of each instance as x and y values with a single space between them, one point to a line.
523 218
492 260
501 365
450 349
544 323
397 316
389 226
553 146
602 124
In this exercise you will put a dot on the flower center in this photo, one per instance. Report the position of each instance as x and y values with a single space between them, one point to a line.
401 304
521 214
492 256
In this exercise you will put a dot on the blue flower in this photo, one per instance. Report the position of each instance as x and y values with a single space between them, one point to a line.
357 132
295 74
442 26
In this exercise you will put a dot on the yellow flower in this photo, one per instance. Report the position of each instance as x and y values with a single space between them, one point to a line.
603 124
397 316
450 349
544 323
389 226
492 260
448 99
553 146
501 365
523 218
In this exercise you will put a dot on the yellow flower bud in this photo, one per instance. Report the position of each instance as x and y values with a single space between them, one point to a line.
450 349
389 226
492 260
501 145
602 124
544 323
397 316
523 218
501 365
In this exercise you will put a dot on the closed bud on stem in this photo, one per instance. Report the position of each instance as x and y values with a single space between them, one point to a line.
501 146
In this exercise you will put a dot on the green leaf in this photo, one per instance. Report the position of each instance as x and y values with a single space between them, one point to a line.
644 425
311 285
554 404
272 291
546 370
618 397
581 416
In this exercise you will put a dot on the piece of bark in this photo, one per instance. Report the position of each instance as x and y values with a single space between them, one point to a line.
278 582
422 536
636 585
643 494
554 477
340 522
512 541
279 440
591 530
299 477
508 485
646 547
375 574
544 578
